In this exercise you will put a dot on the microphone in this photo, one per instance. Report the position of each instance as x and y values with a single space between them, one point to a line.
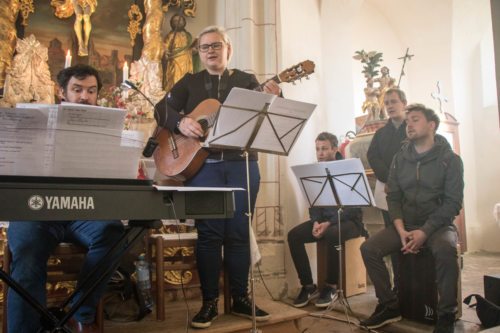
152 141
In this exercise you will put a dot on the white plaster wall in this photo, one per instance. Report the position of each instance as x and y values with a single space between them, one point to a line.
476 109
452 43
300 40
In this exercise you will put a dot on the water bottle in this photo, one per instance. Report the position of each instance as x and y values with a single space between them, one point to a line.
143 281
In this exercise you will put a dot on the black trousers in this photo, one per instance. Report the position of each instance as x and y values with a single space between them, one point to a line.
302 234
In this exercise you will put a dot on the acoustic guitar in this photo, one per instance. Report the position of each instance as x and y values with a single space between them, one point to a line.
180 157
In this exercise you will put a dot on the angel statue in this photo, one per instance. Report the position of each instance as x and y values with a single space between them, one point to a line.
82 9
28 79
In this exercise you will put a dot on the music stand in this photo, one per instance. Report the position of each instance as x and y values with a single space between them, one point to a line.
336 184
257 122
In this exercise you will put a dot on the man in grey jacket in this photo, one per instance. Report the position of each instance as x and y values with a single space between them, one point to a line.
425 193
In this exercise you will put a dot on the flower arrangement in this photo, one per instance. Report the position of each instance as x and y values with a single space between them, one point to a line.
138 109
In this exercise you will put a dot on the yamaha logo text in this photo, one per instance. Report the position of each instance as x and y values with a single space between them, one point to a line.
37 202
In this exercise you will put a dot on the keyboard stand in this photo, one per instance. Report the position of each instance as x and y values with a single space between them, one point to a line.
54 319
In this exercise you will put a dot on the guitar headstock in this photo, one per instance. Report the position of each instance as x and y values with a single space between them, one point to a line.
297 72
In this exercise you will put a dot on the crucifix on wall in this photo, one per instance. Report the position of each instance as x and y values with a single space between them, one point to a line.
439 96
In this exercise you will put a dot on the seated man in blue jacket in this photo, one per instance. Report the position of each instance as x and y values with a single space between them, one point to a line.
322 224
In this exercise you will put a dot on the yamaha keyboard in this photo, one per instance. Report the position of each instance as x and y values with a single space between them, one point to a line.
63 199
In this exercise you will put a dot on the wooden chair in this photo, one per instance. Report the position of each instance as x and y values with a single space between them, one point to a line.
179 262
63 267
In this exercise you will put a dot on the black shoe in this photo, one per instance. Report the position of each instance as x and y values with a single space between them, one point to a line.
208 312
445 323
325 297
242 306
381 318
306 294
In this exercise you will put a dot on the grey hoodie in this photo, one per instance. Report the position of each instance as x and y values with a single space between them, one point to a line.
426 191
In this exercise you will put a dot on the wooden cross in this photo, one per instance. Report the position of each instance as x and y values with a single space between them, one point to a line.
439 96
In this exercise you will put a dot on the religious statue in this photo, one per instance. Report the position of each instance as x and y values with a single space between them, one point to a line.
385 82
28 79
82 9
177 52
371 104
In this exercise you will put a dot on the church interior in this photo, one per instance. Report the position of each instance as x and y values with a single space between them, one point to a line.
444 54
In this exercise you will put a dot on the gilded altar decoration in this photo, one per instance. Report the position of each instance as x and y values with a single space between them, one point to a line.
178 52
178 277
82 9
151 31
26 9
28 79
188 6
8 15
135 18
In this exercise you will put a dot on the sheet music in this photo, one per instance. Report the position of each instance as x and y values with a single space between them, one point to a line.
380 195
281 121
348 177
68 140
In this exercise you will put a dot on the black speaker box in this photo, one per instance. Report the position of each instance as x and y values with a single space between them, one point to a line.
492 288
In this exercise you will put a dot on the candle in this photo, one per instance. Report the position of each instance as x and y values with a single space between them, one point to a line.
125 71
67 63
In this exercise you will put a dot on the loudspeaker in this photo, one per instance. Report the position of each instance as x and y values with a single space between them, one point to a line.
492 288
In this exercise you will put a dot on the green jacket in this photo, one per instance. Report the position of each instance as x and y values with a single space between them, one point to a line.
426 191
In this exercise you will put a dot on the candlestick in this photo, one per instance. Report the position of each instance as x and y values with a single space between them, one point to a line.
125 71
67 63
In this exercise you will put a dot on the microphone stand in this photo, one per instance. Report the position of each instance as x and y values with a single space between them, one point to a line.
152 143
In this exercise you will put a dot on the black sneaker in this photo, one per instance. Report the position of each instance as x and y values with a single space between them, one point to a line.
242 306
208 312
381 318
307 293
445 323
325 297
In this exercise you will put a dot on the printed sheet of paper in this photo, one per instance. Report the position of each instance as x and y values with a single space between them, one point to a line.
68 140
380 195
348 177
281 121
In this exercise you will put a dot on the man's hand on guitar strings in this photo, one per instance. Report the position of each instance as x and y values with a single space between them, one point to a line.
191 128
271 87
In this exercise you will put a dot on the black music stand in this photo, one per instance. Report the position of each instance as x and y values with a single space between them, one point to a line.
336 184
257 122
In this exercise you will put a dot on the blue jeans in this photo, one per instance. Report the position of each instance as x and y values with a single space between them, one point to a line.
31 244
230 233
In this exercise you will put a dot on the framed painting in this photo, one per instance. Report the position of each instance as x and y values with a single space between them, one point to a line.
94 32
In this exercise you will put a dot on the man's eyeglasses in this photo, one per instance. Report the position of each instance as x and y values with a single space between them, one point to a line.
215 46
